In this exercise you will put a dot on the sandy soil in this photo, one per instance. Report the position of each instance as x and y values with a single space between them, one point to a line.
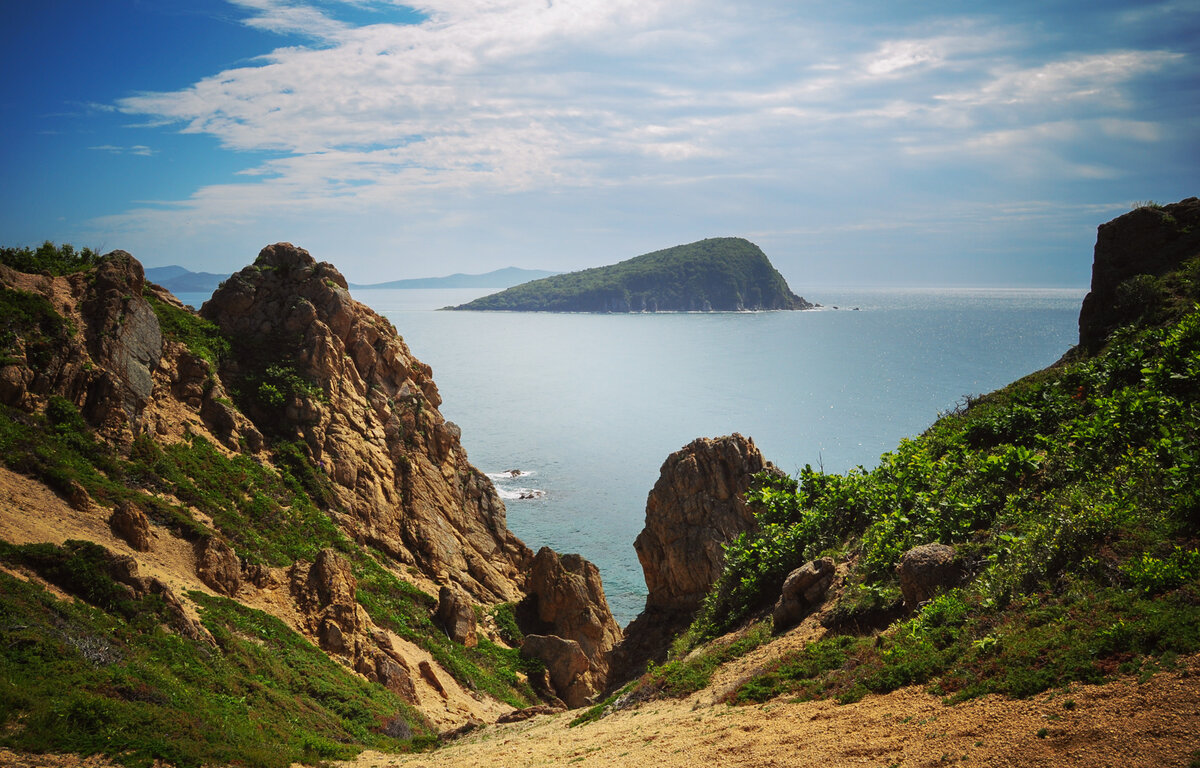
1120 725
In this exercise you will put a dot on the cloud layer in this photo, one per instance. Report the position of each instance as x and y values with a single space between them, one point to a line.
486 103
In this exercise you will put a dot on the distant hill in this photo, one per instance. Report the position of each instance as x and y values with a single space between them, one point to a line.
499 278
180 280
723 274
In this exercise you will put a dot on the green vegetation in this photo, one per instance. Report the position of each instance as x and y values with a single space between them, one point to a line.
200 336
684 675
726 273
404 609
51 258
102 676
29 318
1071 498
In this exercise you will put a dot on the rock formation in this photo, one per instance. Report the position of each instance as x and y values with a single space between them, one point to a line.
697 506
803 590
1149 240
315 366
568 624
314 371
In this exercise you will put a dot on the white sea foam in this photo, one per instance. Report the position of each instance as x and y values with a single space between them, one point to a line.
519 494
509 475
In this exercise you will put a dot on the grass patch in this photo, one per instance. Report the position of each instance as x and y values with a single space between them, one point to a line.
106 678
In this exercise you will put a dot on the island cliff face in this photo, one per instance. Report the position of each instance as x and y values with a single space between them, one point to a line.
727 274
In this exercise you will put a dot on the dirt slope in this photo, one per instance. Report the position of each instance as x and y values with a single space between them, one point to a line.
1123 724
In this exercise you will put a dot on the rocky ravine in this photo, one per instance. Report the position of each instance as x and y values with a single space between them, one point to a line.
363 408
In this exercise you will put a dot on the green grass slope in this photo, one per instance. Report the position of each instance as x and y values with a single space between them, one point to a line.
721 274
1071 497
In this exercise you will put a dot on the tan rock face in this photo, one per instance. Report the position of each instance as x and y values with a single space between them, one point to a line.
697 506
131 524
566 602
370 419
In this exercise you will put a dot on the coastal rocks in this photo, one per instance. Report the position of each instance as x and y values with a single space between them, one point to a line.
570 669
131 524
456 616
566 602
1131 250
218 566
927 570
696 507
803 590
330 375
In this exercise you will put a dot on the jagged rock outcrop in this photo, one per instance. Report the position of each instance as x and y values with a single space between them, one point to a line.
103 350
566 602
1149 240
697 505
218 565
926 571
803 590
318 367
456 615
106 366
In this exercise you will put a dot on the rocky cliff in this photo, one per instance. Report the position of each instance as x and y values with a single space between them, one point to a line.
311 364
1132 254
285 449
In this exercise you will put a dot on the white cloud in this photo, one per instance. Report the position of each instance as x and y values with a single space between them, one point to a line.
1095 77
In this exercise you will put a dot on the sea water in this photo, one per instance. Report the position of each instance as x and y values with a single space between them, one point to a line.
587 407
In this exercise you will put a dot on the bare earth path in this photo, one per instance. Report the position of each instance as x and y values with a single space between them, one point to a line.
1120 725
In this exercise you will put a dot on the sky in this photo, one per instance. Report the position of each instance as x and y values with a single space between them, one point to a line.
858 143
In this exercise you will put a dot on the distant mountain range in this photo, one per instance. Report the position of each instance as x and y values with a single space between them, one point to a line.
180 280
721 274
499 278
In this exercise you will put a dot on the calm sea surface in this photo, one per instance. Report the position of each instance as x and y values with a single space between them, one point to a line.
589 406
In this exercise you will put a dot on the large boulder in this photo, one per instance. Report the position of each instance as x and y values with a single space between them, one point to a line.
570 669
803 590
456 615
927 570
130 523
218 565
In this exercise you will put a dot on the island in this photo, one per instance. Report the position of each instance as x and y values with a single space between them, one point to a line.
721 274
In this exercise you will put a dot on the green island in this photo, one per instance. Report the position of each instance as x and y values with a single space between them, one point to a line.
723 274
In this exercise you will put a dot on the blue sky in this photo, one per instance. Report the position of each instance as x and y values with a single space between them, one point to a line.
859 143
